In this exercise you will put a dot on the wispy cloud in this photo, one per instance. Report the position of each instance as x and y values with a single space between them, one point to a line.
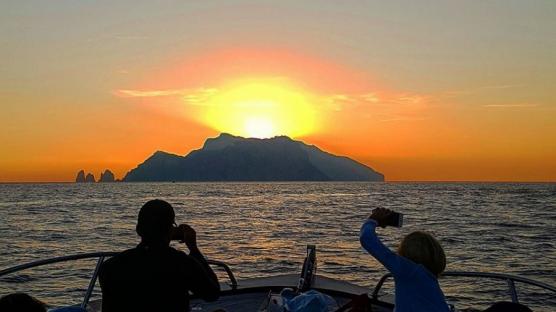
150 93
370 97
337 102
410 99
504 86
342 98
403 119
511 105
199 96
457 93
376 98
385 106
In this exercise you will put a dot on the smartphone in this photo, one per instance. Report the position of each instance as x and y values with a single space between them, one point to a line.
176 234
395 219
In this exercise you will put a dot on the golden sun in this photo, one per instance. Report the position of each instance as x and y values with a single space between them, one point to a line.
260 109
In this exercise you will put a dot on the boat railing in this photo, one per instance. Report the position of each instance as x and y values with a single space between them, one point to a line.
101 256
510 279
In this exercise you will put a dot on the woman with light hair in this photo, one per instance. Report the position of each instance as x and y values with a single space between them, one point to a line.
415 268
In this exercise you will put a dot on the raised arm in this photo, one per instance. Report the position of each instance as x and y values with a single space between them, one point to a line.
204 282
370 241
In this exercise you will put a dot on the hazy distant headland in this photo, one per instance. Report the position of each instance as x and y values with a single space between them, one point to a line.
233 158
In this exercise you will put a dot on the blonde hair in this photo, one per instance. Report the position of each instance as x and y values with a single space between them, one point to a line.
422 248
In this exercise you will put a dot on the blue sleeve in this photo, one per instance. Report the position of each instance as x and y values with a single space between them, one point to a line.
369 240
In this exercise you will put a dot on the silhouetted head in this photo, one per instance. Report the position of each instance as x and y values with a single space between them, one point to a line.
507 307
423 248
21 302
155 222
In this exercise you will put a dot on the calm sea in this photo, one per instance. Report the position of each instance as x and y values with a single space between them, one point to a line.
261 229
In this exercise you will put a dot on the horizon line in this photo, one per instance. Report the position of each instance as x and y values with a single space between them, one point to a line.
377 182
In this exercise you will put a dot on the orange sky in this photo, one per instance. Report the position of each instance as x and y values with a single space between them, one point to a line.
414 105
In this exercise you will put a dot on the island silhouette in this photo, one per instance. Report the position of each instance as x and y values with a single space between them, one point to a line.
234 158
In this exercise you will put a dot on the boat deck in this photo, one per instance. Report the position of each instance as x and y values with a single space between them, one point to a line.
253 294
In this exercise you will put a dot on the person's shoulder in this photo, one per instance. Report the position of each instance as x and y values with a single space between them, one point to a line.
121 257
410 269
177 254
182 258
418 271
180 261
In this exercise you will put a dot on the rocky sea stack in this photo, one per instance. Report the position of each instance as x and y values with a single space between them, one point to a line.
80 178
90 178
107 176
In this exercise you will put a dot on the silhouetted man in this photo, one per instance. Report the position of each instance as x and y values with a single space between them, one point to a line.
154 276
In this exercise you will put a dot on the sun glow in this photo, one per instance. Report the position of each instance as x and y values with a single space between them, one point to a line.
259 127
260 109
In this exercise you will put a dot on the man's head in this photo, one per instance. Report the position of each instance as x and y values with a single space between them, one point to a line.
155 222
421 247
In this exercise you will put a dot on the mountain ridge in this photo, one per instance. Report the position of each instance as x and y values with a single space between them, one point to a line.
233 158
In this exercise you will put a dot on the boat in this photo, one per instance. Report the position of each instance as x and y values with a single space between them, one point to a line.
265 293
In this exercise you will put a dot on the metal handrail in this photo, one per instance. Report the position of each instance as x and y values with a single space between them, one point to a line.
233 281
55 260
101 256
510 279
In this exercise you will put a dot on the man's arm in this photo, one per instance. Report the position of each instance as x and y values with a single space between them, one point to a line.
204 282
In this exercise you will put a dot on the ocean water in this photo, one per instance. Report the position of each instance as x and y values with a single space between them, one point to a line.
261 229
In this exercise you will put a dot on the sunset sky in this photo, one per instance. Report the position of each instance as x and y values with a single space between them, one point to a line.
418 90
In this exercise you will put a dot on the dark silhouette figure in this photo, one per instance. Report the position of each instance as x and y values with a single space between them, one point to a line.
154 276
507 307
20 302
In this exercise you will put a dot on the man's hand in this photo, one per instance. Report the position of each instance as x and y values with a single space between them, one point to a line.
187 234
380 215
